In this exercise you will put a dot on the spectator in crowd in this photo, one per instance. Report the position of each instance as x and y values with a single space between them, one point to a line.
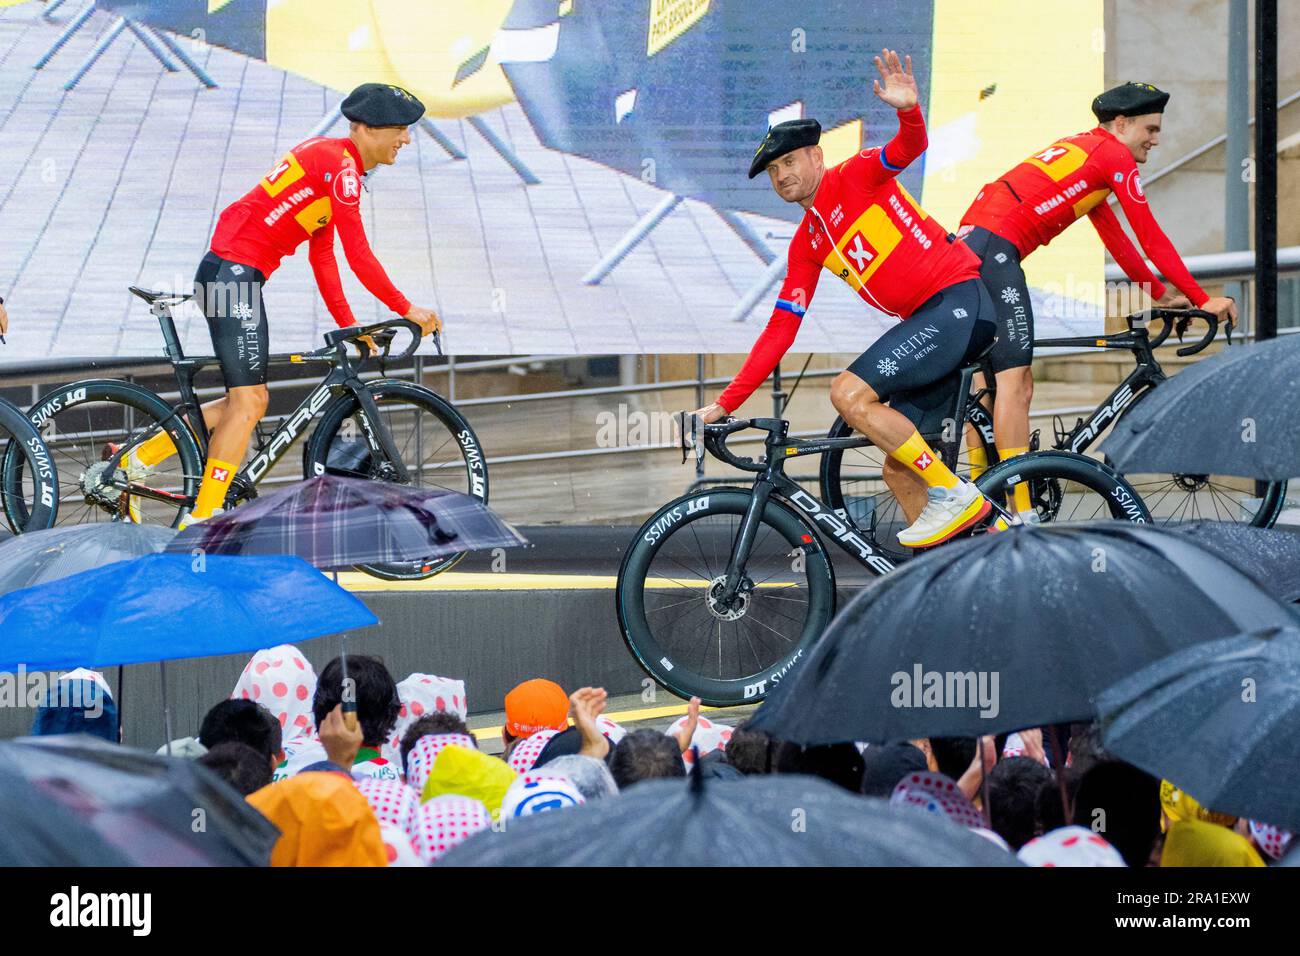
1051 815
749 750
323 821
952 755
377 706
432 725
1013 798
1196 842
469 773
535 705
282 680
1122 803
645 755
239 765
839 763
883 766
242 721
79 702
590 775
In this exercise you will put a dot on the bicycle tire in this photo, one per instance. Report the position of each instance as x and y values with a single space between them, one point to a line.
1042 468
867 503
79 451
26 462
325 445
649 649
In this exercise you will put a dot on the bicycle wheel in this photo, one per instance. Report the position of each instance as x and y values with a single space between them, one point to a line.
1064 486
1173 499
671 617
852 485
436 444
29 486
84 424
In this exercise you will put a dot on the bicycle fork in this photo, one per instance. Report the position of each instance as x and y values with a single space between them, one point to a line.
745 541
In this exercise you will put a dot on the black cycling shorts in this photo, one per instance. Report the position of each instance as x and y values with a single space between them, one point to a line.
230 295
916 365
1003 276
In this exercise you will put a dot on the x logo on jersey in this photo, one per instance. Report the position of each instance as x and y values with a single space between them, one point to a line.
859 253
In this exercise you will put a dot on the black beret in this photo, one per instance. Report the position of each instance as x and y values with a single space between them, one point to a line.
784 138
1129 99
380 104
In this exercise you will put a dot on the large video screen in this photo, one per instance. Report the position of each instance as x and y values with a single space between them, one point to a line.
580 186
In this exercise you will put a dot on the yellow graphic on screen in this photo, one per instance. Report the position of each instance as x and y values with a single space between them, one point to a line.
1003 89
841 143
669 19
420 45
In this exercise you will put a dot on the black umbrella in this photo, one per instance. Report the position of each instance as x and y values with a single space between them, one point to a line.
333 522
1233 414
1221 720
129 806
1270 555
1010 630
40 556
786 820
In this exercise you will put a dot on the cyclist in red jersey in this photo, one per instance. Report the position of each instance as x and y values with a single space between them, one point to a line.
861 224
1036 201
313 193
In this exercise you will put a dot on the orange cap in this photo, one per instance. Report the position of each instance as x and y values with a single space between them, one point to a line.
535 705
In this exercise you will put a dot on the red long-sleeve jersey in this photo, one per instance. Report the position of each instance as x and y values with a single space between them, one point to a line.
1035 201
864 227
313 190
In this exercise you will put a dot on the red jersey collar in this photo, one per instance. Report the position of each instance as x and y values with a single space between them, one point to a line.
351 147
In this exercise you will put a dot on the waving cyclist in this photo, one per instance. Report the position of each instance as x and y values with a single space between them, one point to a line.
862 225
313 193
1036 201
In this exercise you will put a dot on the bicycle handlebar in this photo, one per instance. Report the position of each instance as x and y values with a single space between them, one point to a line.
715 440
383 334
1178 320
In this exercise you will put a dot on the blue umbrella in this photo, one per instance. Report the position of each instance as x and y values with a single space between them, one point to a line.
171 606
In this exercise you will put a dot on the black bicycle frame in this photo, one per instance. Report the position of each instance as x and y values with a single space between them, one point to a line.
1147 375
341 379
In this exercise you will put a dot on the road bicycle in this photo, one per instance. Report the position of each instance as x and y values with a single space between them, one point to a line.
91 426
29 483
855 490
723 590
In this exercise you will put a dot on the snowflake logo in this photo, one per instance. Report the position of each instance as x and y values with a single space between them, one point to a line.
886 367
242 311
1010 295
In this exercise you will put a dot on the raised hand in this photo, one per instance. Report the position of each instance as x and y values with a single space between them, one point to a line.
896 85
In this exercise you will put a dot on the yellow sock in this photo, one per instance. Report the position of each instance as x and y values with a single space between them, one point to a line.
921 458
979 461
1019 500
212 493
156 449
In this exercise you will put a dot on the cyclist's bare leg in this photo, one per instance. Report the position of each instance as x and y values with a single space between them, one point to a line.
1011 409
157 449
232 420
860 406
244 407
907 488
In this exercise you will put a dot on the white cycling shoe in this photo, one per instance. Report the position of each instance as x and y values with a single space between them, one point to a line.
947 513
189 520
